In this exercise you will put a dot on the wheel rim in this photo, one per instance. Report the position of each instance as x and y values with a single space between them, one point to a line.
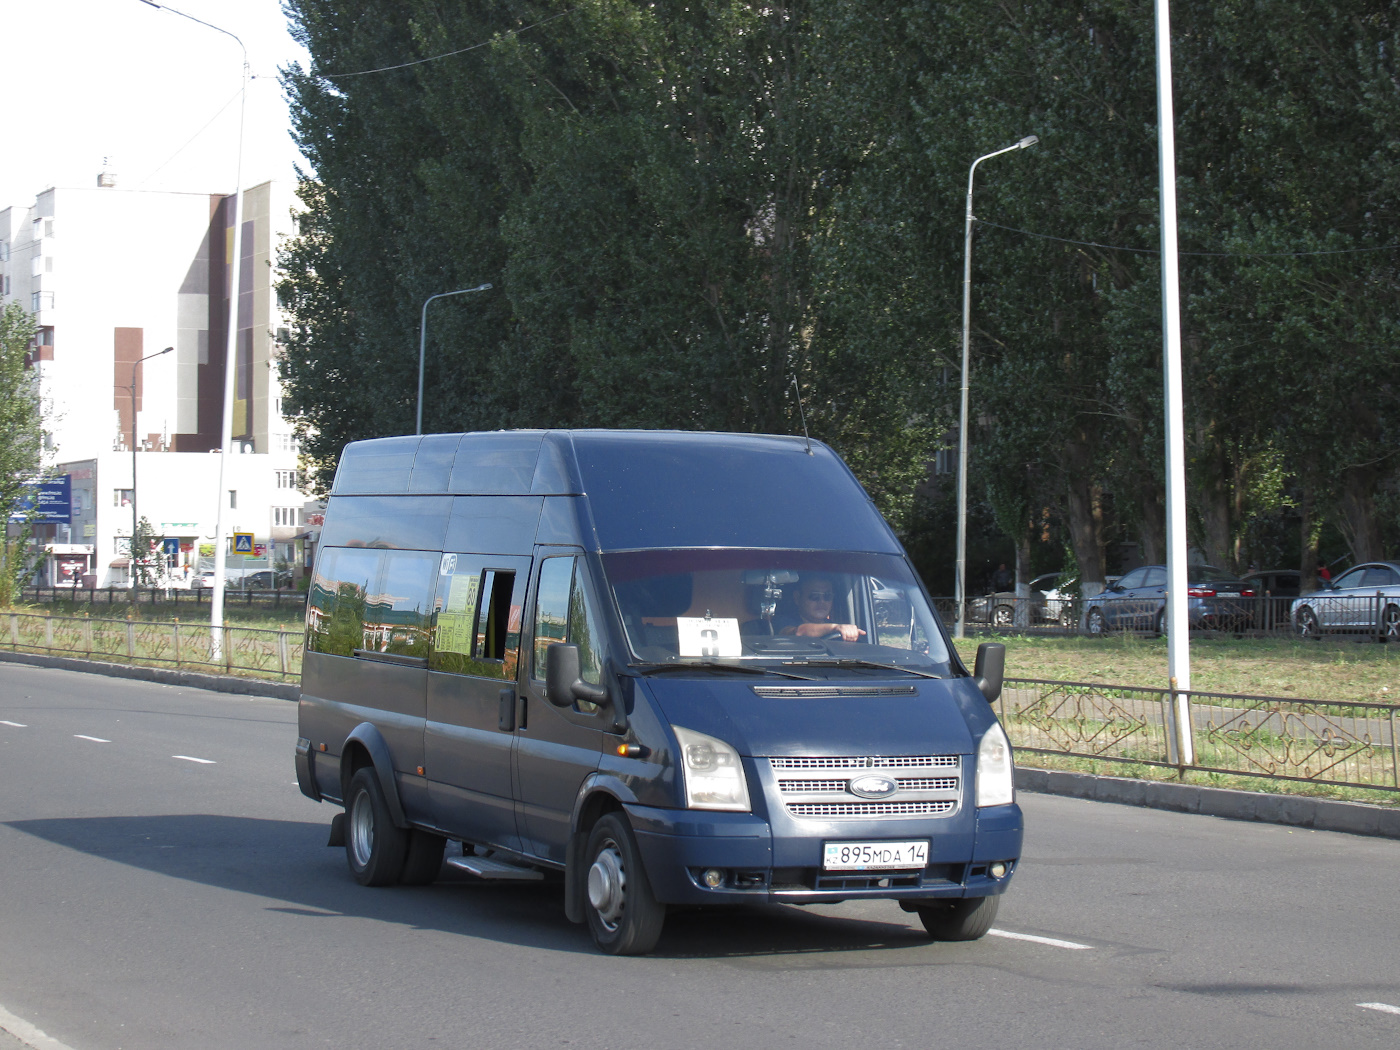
1002 618
362 829
607 885
1096 622
1392 622
1307 623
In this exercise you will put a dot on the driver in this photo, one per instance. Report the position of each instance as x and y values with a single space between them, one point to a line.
813 598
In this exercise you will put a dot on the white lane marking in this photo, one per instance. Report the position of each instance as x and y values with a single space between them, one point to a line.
1384 1008
27 1034
1039 940
191 758
17 725
94 739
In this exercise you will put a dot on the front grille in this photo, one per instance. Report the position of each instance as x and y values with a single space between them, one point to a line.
871 762
928 783
809 789
857 810
817 691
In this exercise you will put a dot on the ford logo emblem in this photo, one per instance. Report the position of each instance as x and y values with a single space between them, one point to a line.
873 787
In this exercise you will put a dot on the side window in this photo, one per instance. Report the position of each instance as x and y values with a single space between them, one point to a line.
1156 578
1351 579
340 596
1133 579
397 614
1380 576
565 613
478 617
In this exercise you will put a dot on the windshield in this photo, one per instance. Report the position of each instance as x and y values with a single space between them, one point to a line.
774 608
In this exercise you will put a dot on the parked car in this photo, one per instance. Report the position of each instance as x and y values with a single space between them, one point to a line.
265 580
1138 601
1276 589
1055 599
1353 602
202 580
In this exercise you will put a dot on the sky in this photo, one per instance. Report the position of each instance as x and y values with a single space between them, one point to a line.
154 92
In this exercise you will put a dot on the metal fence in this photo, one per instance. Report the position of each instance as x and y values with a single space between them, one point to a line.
174 598
255 651
1340 743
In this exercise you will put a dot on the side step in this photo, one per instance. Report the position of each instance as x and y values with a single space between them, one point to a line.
490 868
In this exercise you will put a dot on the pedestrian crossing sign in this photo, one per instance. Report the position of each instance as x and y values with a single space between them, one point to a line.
242 543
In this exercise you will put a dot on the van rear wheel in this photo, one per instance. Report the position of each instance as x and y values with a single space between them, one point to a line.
623 914
959 919
375 849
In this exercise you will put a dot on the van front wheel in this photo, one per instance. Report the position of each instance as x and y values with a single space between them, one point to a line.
375 849
959 919
623 914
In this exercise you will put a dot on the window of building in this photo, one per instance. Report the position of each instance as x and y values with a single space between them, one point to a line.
4 251
121 497
286 479
286 443
232 499
284 515
40 301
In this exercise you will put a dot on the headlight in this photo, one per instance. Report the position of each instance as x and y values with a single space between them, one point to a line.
995 772
712 773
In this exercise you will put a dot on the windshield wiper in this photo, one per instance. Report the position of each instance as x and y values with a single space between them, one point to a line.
714 665
850 662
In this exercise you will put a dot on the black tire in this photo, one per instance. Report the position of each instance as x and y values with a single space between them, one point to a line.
1308 627
623 914
1003 616
1161 626
375 849
423 862
959 919
1095 623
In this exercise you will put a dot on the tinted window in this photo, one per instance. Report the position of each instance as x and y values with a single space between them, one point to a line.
1380 576
478 616
340 590
564 612
1351 579
1133 579
397 612
1156 577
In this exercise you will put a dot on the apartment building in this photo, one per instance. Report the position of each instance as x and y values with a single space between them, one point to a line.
114 275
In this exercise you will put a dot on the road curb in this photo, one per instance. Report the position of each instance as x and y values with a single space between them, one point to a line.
219 683
1300 811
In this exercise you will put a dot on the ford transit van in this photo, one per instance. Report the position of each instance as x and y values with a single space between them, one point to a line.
677 668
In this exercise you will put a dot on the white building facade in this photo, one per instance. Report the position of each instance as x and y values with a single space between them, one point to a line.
112 276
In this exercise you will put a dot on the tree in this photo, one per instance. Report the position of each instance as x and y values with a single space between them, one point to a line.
21 444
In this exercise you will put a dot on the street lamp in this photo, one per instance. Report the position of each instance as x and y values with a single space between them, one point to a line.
961 580
423 342
131 552
216 599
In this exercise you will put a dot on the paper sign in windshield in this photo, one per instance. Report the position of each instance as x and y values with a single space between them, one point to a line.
706 636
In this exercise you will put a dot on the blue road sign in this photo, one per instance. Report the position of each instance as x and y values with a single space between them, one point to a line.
52 502
170 545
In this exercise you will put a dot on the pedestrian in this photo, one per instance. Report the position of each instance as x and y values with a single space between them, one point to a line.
1002 580
1323 573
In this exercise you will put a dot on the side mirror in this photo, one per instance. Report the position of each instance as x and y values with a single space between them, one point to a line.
990 669
561 678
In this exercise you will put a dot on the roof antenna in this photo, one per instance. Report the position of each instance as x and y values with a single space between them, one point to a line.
802 414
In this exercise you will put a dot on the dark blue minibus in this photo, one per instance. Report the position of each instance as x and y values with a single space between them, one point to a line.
678 668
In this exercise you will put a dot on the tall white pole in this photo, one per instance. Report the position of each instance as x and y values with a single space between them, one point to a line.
1178 625
960 569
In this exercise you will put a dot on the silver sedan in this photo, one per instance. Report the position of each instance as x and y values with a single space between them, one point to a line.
1364 599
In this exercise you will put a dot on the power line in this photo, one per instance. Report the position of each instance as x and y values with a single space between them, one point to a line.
1157 251
191 139
446 54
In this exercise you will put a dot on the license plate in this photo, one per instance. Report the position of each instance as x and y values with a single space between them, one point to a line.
1227 594
875 856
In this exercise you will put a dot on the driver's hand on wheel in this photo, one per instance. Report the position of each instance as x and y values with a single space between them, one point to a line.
847 632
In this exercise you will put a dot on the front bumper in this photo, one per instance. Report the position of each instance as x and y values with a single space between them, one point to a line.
677 845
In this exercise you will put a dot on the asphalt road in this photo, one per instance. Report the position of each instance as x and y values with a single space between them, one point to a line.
151 900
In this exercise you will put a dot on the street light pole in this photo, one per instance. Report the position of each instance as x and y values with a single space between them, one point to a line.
423 342
960 583
216 599
131 547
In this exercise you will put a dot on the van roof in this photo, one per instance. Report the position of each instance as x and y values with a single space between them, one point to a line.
645 488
